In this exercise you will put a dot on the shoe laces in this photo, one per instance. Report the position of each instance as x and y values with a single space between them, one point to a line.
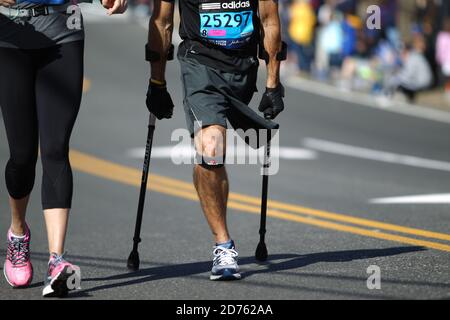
18 252
56 260
224 256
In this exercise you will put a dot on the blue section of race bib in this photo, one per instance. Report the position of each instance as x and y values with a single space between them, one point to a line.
227 29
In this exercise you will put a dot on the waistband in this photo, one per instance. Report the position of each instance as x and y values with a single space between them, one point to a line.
33 12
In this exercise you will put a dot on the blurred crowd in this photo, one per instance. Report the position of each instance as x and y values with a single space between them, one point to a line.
330 40
141 9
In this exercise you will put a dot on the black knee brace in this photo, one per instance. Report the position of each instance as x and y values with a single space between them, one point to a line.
211 163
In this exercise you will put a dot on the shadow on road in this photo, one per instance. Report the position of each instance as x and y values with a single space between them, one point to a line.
278 263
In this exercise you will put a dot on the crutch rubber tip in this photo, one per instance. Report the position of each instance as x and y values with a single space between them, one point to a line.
133 261
261 252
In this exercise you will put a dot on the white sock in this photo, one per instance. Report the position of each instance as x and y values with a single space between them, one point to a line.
17 237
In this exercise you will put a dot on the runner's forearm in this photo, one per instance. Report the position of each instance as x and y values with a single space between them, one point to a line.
160 36
271 32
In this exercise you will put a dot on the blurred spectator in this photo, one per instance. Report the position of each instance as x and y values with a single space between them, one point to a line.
415 74
388 13
285 18
359 69
141 9
429 22
350 27
348 6
316 4
301 32
330 39
443 54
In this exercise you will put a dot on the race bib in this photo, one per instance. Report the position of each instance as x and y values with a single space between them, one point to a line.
227 24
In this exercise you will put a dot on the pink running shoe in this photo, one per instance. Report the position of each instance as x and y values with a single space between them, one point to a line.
61 278
18 270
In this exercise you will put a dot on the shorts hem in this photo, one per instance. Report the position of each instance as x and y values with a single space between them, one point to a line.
49 206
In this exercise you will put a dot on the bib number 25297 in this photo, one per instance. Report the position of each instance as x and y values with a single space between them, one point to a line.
232 29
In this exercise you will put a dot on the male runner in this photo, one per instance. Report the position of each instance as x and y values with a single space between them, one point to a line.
219 66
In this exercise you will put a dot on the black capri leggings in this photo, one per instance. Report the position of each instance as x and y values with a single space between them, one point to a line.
40 95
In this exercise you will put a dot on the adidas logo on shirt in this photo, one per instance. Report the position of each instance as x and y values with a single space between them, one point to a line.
236 5
226 5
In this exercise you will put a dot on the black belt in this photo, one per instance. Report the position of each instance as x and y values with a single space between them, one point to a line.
32 12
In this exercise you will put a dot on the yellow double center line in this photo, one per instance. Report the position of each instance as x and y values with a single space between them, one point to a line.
248 204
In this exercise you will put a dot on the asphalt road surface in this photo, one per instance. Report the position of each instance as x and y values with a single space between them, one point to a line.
324 229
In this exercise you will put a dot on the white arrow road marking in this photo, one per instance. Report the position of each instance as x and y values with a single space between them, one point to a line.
369 154
188 152
419 199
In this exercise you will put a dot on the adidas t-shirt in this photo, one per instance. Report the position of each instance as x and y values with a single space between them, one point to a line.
220 33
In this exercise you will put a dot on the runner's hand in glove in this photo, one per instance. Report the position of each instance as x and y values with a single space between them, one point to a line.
272 102
159 101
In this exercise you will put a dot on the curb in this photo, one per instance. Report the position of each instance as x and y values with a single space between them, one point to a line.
367 100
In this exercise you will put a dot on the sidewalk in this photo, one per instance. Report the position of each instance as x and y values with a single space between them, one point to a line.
430 105
435 99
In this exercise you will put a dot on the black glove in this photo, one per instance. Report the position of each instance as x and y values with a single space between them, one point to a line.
272 102
159 101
